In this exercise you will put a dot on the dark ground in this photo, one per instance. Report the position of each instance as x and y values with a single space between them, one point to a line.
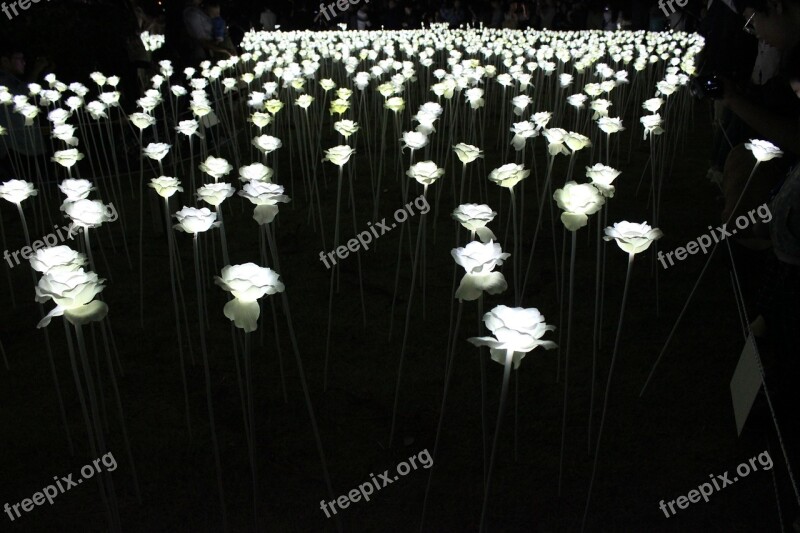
654 448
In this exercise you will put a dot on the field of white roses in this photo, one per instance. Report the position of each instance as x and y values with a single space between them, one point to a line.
509 330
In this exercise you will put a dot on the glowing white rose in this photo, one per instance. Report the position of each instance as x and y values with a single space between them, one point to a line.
339 155
479 260
508 175
425 172
632 237
89 213
257 172
653 104
66 133
414 140
76 189
346 127
763 150
577 100
215 193
515 330
556 138
187 127
467 153
73 293
267 143
576 141
156 151
652 124
57 259
216 167
265 196
474 217
67 158
578 201
165 186
522 130
247 283
142 120
610 125
17 191
602 176
192 220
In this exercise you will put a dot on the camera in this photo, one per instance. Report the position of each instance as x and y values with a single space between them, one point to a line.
707 86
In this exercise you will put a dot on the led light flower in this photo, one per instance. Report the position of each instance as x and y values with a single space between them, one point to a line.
610 125
67 158
265 196
652 125
479 260
474 97
267 143
474 217
76 189
577 100
339 155
556 138
414 140
395 104
602 176
467 153
304 100
17 191
156 151
763 150
425 172
58 116
600 108
515 330
327 84
260 119
165 186
576 141
247 283
56 259
541 119
66 133
142 120
187 127
88 213
216 167
522 130
632 237
339 106
346 127
192 220
96 110
215 193
653 104
520 103
578 201
509 175
255 172
73 293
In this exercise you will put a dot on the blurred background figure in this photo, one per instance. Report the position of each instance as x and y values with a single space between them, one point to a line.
268 19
